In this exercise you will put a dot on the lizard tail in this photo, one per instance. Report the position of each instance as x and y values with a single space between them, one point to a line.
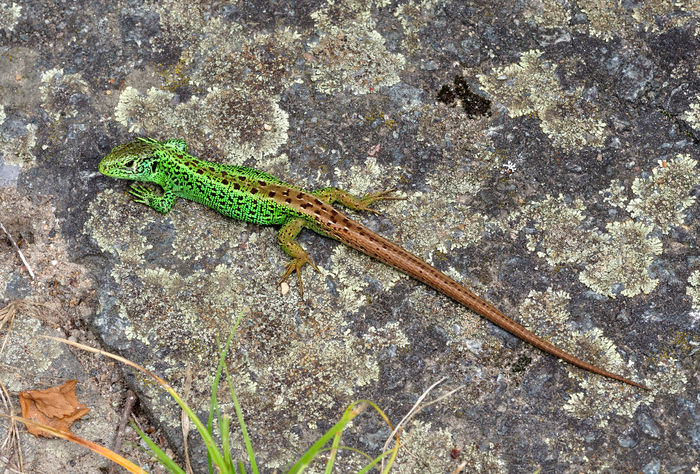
384 250
476 304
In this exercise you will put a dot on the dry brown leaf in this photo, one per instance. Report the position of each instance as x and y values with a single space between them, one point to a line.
55 406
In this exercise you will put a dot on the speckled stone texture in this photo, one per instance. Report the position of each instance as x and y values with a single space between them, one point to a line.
548 155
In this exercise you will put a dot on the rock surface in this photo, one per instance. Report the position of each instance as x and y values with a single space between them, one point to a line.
547 153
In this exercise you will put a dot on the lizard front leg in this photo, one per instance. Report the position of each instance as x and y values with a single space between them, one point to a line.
333 195
162 204
286 239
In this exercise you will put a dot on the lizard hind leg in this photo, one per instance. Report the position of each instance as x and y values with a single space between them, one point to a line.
286 240
362 203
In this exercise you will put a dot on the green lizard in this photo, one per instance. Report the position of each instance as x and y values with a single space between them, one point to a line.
254 196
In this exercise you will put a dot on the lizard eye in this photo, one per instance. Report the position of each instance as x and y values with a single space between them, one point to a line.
129 164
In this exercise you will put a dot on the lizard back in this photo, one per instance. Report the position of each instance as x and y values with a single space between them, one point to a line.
235 191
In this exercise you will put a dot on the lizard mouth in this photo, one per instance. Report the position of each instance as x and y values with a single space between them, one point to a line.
104 167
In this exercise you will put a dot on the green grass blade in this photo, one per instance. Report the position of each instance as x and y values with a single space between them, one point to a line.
225 442
334 452
163 458
394 451
212 449
350 413
213 402
348 448
241 422
376 461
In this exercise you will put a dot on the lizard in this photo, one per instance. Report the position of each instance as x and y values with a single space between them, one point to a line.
254 196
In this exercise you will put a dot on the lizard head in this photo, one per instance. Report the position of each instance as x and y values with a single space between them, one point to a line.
135 160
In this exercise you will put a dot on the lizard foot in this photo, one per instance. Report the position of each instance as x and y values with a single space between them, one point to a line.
369 199
295 266
142 194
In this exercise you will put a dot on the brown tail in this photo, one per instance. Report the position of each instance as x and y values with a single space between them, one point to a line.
386 251
486 310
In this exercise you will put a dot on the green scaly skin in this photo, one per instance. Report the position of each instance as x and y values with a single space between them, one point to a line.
254 196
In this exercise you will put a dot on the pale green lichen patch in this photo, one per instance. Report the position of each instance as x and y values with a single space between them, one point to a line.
426 450
692 115
481 460
179 307
452 185
606 17
223 52
620 263
260 131
367 177
616 261
693 289
531 87
557 230
547 13
350 270
113 225
623 256
454 224
663 197
59 93
350 53
212 232
389 335
524 86
301 380
457 139
546 311
600 404
647 13
255 125
611 18
615 194
261 64
236 80
140 113
570 129
545 314
414 15
9 16
315 366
